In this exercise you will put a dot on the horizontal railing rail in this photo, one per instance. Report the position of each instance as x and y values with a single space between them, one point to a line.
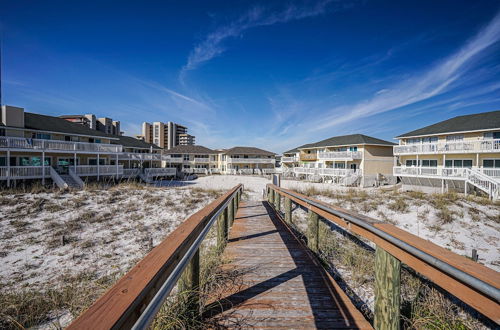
25 172
450 147
160 171
92 170
137 297
41 144
251 160
289 159
476 285
340 155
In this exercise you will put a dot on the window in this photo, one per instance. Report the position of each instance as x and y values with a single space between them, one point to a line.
429 162
453 138
413 141
353 148
67 138
2 131
42 136
487 135
97 140
186 157
3 161
339 165
430 139
490 163
411 162
458 163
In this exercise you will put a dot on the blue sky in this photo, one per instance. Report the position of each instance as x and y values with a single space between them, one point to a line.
272 74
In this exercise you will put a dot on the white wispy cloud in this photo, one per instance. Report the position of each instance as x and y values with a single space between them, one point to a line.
213 45
423 86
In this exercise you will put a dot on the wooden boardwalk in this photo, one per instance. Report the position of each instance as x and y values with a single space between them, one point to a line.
278 284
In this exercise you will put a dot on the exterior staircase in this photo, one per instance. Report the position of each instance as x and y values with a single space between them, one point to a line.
484 182
351 179
70 181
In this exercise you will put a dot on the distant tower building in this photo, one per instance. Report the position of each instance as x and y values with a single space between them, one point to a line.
166 135
105 125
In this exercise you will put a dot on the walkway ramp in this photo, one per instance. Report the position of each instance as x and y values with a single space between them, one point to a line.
278 283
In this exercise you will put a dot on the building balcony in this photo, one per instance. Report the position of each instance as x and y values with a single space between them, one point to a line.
15 143
251 160
164 171
308 157
38 172
441 172
294 159
324 171
340 155
459 147
140 156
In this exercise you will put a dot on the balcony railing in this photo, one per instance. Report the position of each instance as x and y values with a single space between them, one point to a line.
164 171
24 172
325 171
440 171
477 146
195 170
289 159
340 155
140 156
93 170
40 144
251 160
308 157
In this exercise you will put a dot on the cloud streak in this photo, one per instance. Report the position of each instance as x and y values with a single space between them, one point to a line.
433 82
213 45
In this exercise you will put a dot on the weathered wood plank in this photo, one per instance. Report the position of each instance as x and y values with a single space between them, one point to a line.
387 291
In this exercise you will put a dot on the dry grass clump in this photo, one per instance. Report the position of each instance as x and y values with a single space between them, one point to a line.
399 205
34 305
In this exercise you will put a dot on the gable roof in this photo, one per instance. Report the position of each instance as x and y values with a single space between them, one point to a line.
59 125
475 122
347 140
190 149
131 142
248 151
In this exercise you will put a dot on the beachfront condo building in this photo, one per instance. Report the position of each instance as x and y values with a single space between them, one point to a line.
166 135
458 154
246 160
47 148
349 160
104 124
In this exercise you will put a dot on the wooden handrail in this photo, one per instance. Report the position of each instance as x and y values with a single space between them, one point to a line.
122 304
480 301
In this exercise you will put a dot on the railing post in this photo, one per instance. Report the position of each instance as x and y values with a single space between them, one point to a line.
271 196
387 290
190 281
313 231
222 230
288 210
277 201
230 208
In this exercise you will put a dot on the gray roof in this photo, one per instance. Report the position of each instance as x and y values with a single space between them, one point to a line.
55 124
248 151
475 122
344 140
190 149
131 142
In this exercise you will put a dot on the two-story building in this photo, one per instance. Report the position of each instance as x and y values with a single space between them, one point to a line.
246 160
191 159
350 160
459 154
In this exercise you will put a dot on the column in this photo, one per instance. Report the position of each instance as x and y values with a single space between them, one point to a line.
98 167
43 167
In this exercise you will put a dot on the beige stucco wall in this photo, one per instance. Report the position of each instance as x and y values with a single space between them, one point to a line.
377 159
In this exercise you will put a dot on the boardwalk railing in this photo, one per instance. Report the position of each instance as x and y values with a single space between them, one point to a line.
137 297
474 284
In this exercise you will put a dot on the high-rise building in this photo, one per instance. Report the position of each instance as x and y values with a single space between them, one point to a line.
166 135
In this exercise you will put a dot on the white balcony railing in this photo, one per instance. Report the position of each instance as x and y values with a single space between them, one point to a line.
477 146
24 172
164 171
202 160
56 145
93 170
335 155
139 156
325 171
251 160
289 159
439 172
131 172
195 170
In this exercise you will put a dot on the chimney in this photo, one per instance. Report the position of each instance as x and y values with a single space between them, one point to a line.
12 116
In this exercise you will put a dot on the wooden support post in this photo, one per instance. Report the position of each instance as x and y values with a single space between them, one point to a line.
277 201
271 196
313 231
230 208
387 290
190 281
288 210
222 230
